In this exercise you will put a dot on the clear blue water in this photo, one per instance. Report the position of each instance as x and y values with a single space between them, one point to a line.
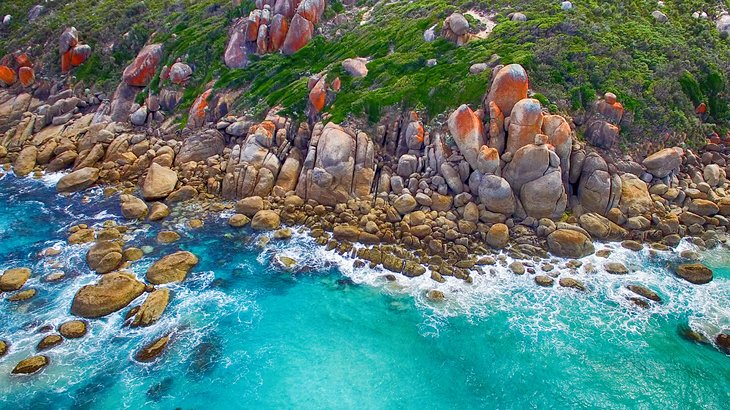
248 335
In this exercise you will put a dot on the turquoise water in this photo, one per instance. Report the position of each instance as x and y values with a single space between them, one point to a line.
248 335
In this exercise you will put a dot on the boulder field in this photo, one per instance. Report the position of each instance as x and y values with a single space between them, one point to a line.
421 196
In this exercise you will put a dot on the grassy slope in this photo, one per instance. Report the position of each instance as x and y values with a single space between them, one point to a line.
571 56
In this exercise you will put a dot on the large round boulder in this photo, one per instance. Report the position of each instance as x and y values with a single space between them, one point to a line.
696 273
160 182
568 243
171 268
78 180
104 256
496 195
266 220
113 292
14 279
510 85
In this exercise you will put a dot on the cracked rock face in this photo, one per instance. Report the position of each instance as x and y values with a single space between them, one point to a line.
339 166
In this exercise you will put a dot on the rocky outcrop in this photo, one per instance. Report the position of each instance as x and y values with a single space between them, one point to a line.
339 166
113 292
200 146
534 173
171 268
569 243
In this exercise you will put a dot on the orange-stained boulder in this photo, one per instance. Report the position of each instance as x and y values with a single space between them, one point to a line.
23 60
79 54
199 110
318 95
277 31
311 10
525 124
336 85
509 86
66 61
300 32
143 68
496 127
7 75
262 41
468 133
252 26
26 76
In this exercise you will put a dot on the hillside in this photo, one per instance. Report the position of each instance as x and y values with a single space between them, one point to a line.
659 71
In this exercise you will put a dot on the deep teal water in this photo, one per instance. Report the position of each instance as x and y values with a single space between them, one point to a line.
249 335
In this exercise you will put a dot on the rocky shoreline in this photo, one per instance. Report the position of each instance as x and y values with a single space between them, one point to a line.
449 197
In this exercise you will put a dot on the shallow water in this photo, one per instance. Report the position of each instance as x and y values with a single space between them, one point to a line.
246 334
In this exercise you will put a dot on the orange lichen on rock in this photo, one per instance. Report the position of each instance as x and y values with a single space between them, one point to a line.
143 68
26 76
198 110
7 75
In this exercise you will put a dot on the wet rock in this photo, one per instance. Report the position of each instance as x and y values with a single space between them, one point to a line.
78 180
73 329
266 220
49 342
133 254
568 243
695 273
152 308
151 351
104 256
572 283
14 279
435 295
517 268
159 183
171 268
723 342
167 237
22 295
601 227
159 211
113 292
3 348
632 245
615 268
544 281
31 365
645 292
238 220
133 207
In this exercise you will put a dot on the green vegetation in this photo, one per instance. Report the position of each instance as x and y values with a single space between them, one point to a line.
660 72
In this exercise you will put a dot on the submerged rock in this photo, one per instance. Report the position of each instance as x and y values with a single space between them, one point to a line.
152 350
645 292
696 273
49 342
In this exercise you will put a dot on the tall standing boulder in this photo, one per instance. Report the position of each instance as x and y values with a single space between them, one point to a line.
299 34
140 72
339 166
509 86
525 123
468 133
